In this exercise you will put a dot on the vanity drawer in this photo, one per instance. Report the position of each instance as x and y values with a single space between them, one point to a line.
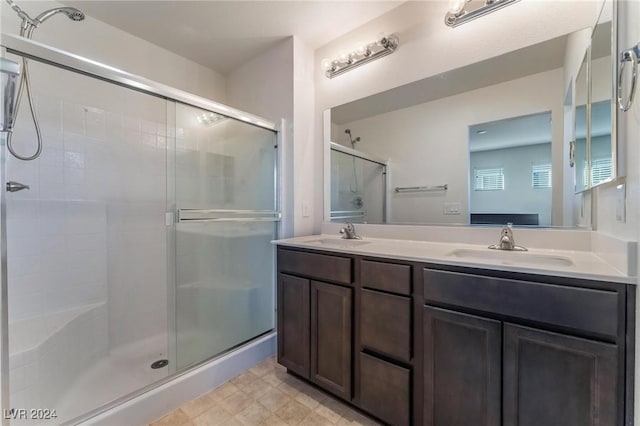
583 309
313 265
385 390
385 324
386 276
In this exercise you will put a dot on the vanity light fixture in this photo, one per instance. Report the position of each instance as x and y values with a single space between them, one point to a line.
461 11
361 55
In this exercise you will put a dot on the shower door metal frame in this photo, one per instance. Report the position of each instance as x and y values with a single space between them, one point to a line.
62 59
39 52
333 146
4 285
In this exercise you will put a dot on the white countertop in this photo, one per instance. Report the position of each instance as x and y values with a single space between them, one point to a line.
564 263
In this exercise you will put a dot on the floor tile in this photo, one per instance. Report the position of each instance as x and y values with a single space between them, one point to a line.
266 395
244 379
223 391
254 414
273 421
274 399
256 388
236 402
174 418
198 406
214 416
263 368
293 412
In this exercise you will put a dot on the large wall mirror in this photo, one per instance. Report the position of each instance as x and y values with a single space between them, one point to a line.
486 144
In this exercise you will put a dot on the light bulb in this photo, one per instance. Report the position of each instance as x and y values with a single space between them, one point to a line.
456 6
344 57
326 64
362 49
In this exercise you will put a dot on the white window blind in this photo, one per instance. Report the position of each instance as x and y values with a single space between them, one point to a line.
541 176
601 170
489 179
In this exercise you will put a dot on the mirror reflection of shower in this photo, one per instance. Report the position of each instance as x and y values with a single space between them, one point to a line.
357 201
27 27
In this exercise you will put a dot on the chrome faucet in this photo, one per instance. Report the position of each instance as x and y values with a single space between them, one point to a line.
506 241
349 232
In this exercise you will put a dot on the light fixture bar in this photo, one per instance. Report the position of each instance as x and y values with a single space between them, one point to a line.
473 9
383 47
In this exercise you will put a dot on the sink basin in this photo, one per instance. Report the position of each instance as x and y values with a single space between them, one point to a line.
516 258
338 242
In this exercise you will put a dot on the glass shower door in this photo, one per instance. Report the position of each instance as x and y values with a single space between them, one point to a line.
225 194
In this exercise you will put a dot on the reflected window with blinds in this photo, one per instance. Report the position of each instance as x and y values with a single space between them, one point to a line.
601 171
489 179
541 176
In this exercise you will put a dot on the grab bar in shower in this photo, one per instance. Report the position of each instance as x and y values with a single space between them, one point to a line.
422 188
218 215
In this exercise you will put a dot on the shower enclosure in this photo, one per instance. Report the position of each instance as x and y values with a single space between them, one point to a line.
358 186
142 247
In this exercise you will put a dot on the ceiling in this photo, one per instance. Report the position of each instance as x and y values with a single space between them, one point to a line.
222 35
535 129
519 131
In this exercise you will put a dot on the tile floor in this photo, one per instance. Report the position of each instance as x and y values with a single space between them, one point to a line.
265 395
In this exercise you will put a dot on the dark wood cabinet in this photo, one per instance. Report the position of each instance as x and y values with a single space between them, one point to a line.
331 337
441 345
385 390
557 380
462 369
385 324
293 324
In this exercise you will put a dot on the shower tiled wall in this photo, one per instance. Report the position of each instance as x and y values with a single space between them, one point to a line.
92 227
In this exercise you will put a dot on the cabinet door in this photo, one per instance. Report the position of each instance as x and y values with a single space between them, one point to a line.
462 369
293 324
385 390
331 330
552 379
385 324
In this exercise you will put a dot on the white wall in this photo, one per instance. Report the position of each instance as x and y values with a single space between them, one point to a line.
278 84
264 86
427 144
304 199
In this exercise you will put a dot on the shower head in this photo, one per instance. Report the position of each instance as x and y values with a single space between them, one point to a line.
71 12
353 141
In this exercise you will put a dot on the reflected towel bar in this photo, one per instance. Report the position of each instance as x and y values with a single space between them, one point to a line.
215 215
347 214
422 188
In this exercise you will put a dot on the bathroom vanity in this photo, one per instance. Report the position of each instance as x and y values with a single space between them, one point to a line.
439 342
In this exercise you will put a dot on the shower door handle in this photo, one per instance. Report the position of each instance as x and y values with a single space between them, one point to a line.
16 186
